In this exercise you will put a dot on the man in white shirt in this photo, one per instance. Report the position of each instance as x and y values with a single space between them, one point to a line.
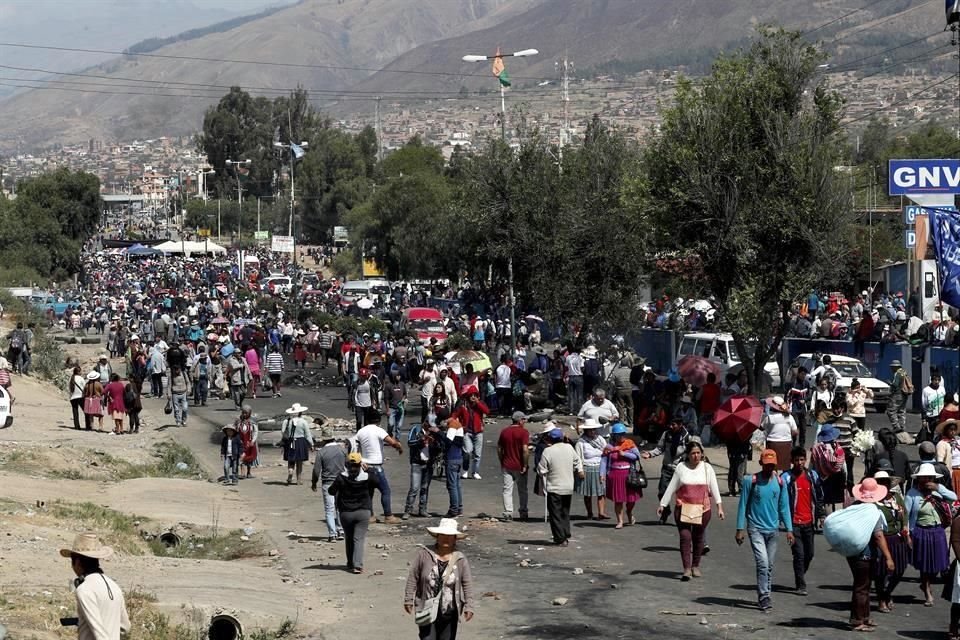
574 366
449 386
504 385
101 610
370 439
599 408
428 380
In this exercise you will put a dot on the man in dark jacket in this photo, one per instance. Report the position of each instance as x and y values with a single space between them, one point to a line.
805 494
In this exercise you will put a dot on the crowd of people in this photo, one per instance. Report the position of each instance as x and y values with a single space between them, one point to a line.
191 332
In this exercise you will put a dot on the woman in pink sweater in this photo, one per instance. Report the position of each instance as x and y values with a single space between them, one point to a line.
253 362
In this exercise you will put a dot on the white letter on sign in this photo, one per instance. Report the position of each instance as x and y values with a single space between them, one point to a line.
929 177
905 177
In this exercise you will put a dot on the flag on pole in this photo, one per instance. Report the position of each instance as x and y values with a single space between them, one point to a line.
297 151
946 238
500 70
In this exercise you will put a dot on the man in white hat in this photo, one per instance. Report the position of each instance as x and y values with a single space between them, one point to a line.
101 610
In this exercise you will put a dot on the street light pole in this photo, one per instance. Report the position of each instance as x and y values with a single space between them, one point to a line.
503 136
237 164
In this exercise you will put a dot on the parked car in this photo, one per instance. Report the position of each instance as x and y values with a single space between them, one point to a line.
720 348
278 285
847 369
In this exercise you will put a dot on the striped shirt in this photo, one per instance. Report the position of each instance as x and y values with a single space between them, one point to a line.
275 362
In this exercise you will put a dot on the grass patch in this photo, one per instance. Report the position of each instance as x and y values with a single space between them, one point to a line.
91 464
226 546
119 530
286 630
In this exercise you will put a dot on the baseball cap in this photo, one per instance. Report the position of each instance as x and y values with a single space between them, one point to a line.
354 458
518 416
556 434
769 456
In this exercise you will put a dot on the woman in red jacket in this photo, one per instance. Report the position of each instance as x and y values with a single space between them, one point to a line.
470 413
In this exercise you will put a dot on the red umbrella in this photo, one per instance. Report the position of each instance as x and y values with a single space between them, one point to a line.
694 369
737 418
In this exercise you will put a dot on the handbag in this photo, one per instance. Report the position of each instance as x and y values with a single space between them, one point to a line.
168 408
691 513
430 609
636 477
92 406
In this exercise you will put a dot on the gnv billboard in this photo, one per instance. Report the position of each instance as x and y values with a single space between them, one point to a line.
924 176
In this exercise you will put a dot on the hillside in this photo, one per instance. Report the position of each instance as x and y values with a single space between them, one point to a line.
339 45
626 36
136 97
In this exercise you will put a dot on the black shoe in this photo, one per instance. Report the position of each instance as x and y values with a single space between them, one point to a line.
706 550
766 605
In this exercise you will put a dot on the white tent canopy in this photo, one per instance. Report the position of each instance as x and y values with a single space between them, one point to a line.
189 248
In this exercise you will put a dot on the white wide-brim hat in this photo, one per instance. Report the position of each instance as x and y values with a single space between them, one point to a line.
93 375
297 408
447 527
927 470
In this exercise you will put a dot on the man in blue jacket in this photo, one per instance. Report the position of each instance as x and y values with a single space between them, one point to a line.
764 505
805 494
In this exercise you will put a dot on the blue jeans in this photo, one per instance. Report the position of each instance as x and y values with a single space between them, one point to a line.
420 477
330 511
575 394
230 464
395 422
201 391
180 406
764 545
453 486
473 449
384 485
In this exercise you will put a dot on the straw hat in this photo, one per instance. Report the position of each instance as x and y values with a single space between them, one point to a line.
447 527
228 426
89 546
549 426
777 403
942 425
880 475
93 375
296 408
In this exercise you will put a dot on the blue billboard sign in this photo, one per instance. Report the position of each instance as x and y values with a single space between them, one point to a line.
908 177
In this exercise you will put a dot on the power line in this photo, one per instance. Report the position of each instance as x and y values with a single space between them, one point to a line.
846 15
292 65
841 67
873 25
897 103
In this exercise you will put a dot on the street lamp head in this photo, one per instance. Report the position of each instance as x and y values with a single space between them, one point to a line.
304 144
474 58
525 52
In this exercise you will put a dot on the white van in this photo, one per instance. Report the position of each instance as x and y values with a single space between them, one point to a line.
355 289
720 348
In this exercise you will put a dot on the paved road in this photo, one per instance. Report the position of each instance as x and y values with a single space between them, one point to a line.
629 576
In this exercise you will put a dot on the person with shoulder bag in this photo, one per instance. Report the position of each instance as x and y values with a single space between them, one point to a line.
439 586
694 490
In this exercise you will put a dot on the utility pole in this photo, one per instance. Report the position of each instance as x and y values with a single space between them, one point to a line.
379 133
258 214
236 165
566 66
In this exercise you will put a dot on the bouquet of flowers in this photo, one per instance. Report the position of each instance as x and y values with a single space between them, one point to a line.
863 442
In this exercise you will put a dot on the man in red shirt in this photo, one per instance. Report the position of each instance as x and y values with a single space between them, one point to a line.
805 493
514 454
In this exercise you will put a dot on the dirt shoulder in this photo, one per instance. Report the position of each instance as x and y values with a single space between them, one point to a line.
130 489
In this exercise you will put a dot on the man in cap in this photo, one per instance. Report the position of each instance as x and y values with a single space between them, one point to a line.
764 505
901 388
101 610
514 453
558 466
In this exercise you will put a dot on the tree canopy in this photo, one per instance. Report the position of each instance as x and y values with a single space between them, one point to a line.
741 181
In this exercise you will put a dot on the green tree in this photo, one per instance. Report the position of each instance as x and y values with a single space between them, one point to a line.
45 227
740 182
402 226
